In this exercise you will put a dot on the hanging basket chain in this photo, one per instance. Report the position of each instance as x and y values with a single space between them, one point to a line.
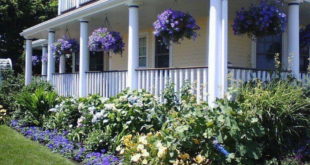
67 32
106 24
176 5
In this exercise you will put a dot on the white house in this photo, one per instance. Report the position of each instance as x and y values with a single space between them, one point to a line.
148 65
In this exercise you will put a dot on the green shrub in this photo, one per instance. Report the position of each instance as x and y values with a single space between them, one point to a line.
34 107
283 109
9 90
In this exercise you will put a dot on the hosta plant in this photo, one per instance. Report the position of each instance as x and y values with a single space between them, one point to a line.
261 20
173 26
103 39
65 46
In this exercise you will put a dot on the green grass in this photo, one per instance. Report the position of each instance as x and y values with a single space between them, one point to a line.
15 149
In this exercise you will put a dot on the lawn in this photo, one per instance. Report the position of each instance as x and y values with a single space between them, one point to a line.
16 149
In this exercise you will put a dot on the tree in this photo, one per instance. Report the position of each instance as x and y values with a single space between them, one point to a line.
17 15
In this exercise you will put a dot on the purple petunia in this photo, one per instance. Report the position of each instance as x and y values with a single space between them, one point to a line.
173 26
102 39
65 46
259 21
35 60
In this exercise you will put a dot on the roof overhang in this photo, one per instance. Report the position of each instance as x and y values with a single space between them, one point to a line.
77 14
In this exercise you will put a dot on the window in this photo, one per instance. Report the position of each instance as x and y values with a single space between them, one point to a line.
142 52
161 55
267 47
303 60
96 61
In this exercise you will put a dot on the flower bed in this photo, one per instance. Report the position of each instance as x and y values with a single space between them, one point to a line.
173 26
57 142
258 21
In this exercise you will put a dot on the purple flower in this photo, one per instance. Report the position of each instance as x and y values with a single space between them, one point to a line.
102 39
258 21
65 46
220 148
35 60
173 26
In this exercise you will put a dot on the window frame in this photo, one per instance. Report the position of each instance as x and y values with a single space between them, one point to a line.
144 35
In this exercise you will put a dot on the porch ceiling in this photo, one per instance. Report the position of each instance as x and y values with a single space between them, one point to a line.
148 12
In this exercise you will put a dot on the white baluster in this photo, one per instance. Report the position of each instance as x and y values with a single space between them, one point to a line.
198 86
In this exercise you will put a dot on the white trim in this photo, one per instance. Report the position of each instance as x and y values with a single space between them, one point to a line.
93 8
141 35
170 55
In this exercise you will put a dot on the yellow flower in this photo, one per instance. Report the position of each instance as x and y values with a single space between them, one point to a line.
135 158
196 141
1 106
145 153
142 139
185 156
3 110
140 147
199 158
144 161
149 134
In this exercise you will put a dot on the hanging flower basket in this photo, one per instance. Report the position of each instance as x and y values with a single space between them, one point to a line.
258 21
65 46
174 26
102 39
44 58
305 36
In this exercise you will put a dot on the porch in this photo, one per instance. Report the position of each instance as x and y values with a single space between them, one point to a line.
210 53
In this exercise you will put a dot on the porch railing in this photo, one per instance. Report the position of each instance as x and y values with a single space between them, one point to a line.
66 84
239 75
106 84
66 5
155 80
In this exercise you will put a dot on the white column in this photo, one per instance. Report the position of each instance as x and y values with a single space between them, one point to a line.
133 44
44 64
215 86
28 60
84 56
223 74
59 6
293 35
62 64
50 56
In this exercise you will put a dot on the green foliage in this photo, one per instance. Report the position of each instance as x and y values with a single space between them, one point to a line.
283 110
34 107
17 15
4 118
9 89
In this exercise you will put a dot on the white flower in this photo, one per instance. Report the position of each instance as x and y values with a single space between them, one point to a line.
136 157
139 90
145 153
123 98
80 107
105 121
140 147
142 139
70 126
80 120
103 100
91 109
144 161
118 148
161 151
110 106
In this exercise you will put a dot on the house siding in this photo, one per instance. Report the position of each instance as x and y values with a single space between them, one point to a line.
192 53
